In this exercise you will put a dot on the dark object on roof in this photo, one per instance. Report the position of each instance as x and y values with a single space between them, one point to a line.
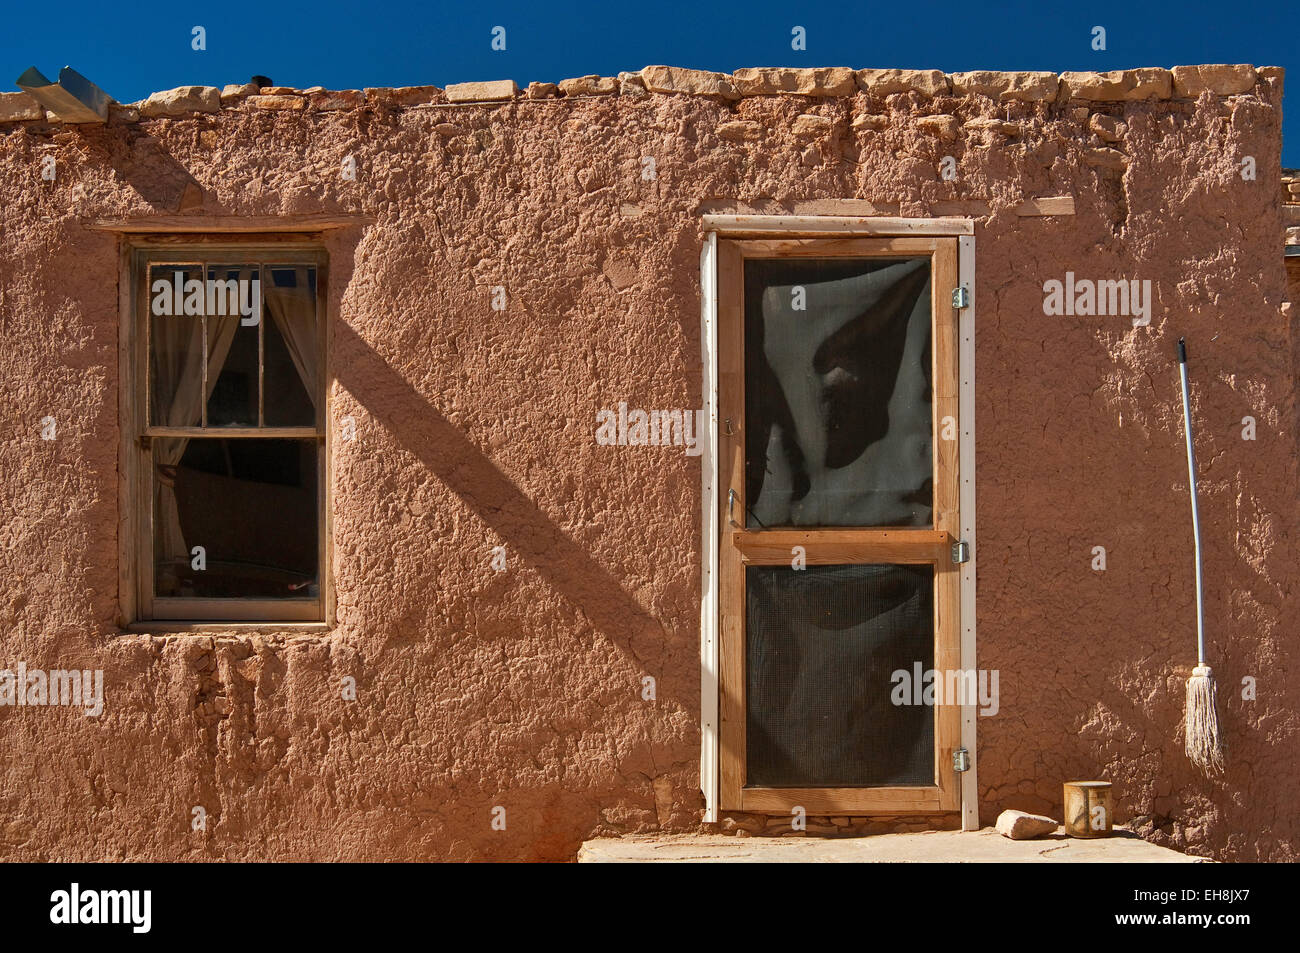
261 81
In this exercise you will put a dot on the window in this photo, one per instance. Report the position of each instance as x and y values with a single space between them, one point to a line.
226 468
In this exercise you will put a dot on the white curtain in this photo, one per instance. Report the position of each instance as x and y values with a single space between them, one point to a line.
178 370
294 311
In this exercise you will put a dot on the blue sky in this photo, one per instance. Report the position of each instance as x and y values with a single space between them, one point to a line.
133 49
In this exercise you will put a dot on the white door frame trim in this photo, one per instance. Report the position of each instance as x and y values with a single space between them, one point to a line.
709 734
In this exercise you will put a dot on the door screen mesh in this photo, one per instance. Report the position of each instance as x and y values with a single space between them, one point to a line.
837 392
822 644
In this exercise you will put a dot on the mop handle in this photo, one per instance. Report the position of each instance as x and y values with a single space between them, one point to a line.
1196 517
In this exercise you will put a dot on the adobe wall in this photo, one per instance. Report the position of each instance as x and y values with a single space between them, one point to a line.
476 429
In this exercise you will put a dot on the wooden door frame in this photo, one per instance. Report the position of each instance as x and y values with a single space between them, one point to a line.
722 315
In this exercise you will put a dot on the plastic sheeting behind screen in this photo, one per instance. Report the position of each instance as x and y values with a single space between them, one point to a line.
838 392
823 645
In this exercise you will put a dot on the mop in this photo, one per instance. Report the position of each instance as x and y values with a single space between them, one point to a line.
1201 721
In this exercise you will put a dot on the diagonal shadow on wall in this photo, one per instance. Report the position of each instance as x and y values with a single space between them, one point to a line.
448 455
144 163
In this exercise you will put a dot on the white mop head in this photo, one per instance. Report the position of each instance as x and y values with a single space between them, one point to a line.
1202 722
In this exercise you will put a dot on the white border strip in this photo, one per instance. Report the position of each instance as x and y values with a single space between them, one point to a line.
970 813
709 520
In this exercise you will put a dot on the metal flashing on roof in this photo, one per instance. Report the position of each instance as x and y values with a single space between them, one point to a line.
72 99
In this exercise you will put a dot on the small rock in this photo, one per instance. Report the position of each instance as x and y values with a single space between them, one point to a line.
1273 75
822 81
182 100
675 79
333 99
631 84
1107 127
276 102
402 95
874 123
230 95
19 107
693 81
542 91
1019 825
748 823
497 90
413 95
740 130
1118 85
978 83
448 129
1150 83
945 127
1021 86
1221 79
882 82
993 125
808 125
589 86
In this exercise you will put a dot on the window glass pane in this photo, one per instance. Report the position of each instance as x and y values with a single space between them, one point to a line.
823 645
175 348
838 392
235 294
291 350
250 503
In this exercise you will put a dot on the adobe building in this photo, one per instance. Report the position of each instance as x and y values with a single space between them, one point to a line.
463 474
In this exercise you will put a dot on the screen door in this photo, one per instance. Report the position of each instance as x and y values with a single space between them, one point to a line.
837 363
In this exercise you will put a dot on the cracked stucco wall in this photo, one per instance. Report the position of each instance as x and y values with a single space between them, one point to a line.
475 429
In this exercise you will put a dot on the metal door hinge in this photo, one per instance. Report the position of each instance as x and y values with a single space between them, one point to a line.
961 297
960 552
146 442
961 760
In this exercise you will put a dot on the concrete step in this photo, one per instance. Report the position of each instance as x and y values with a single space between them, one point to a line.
974 847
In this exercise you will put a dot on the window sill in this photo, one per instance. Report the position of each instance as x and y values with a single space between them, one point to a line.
164 627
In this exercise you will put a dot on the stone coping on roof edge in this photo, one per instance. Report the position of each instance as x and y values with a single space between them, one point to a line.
1115 86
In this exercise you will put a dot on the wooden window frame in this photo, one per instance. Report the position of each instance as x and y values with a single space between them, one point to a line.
739 546
139 606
